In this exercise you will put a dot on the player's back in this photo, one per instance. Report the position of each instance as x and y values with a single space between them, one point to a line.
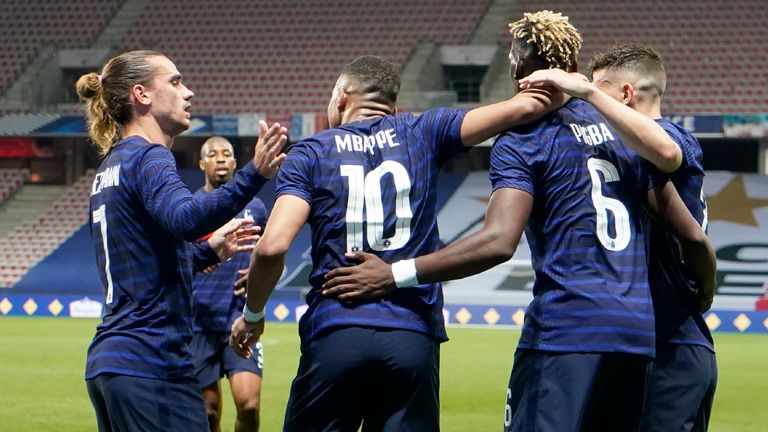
677 318
585 232
146 326
372 186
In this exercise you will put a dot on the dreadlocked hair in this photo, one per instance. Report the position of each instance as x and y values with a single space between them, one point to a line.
556 40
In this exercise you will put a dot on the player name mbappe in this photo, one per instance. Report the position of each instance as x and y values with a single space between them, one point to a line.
366 143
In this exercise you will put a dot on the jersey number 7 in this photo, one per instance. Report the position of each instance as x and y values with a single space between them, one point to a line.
100 218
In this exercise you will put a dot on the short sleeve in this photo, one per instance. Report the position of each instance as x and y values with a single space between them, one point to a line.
441 127
295 175
513 162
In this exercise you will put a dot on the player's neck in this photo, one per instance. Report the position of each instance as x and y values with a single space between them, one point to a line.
149 130
366 112
652 110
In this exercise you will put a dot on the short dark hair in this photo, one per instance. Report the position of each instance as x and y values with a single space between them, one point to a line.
634 57
377 77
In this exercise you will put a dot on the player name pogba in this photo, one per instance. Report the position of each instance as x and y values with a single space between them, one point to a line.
594 134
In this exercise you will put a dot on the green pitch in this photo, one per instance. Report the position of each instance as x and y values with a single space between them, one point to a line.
42 389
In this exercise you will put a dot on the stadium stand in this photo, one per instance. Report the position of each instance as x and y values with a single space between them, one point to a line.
25 27
281 57
10 181
32 240
714 50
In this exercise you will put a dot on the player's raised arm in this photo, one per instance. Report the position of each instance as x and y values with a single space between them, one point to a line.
288 216
666 205
495 243
485 122
636 130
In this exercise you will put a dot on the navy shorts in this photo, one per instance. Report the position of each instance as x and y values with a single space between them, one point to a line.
126 403
213 358
384 379
681 386
551 392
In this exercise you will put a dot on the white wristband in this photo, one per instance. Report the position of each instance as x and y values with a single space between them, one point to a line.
404 273
253 317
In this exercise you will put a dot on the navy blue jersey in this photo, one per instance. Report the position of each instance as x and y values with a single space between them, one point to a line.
677 318
585 232
141 215
215 307
372 186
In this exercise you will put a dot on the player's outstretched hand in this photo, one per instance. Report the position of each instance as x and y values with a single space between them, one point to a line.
241 283
268 154
237 235
244 335
371 279
574 84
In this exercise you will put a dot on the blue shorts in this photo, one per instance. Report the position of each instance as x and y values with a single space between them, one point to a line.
571 392
384 379
213 358
681 387
126 403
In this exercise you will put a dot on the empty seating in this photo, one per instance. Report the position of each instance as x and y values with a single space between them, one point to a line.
714 49
33 240
25 27
280 57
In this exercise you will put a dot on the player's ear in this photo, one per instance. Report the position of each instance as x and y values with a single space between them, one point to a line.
140 95
520 70
200 165
627 93
341 104
574 66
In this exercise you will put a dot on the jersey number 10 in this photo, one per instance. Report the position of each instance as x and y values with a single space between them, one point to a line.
365 194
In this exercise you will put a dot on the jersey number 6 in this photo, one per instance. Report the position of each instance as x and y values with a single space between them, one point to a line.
603 204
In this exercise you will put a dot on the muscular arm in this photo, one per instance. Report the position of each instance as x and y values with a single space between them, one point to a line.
493 244
668 208
527 106
288 216
636 130
285 222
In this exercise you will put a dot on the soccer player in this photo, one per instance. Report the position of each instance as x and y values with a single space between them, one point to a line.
588 334
683 376
216 306
368 184
139 371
